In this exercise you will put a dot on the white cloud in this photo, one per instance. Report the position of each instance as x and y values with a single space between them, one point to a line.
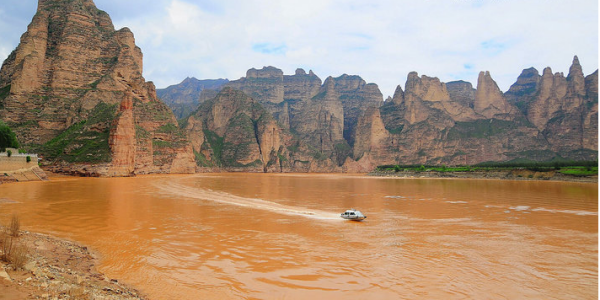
380 40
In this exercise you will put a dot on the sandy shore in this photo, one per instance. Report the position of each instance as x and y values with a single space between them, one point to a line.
58 269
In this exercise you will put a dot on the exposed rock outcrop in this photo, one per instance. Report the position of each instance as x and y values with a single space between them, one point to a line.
430 123
234 132
563 109
74 89
462 92
323 116
522 92
348 127
490 101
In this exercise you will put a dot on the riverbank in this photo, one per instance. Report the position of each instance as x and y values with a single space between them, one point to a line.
58 269
515 174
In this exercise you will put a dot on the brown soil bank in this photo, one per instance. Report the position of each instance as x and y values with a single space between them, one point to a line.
58 269
516 174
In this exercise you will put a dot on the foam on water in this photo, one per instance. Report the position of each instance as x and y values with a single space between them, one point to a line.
253 203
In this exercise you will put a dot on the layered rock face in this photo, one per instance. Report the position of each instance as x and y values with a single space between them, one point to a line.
345 126
184 98
323 116
236 133
436 123
73 90
565 110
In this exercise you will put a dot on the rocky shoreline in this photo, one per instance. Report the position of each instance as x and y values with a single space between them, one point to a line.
59 269
515 174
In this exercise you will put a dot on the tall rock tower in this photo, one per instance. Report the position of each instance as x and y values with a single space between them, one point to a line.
73 90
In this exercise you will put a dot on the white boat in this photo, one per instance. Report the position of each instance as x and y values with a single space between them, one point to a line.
353 214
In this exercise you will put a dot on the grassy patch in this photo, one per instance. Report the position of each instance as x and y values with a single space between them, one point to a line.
396 130
215 142
81 144
201 160
579 171
575 168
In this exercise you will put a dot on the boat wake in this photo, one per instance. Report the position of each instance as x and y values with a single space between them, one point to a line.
182 190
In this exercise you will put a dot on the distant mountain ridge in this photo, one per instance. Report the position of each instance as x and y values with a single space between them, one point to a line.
184 98
347 126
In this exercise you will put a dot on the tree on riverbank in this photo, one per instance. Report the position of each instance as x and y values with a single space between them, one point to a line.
8 139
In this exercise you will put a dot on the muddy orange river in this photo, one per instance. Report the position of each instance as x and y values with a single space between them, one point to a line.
260 236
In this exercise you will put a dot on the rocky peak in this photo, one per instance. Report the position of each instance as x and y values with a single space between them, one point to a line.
349 82
184 98
575 68
73 6
489 99
524 89
526 82
575 79
72 72
412 81
301 86
264 85
189 80
425 89
327 91
398 97
265 72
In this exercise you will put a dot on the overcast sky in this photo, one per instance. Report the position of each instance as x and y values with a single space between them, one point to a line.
380 40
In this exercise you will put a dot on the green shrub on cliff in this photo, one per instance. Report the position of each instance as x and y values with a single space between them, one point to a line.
8 139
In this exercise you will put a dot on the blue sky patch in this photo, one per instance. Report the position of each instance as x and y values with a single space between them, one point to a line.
493 47
268 48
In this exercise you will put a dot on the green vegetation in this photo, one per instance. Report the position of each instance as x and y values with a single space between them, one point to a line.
575 168
4 92
102 113
77 144
342 150
141 133
201 160
396 130
8 139
215 142
579 171
81 143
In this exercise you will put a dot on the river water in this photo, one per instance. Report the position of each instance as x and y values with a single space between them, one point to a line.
266 236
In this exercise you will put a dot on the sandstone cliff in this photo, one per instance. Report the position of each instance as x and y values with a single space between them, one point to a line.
346 127
236 133
563 109
324 116
73 90
436 123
